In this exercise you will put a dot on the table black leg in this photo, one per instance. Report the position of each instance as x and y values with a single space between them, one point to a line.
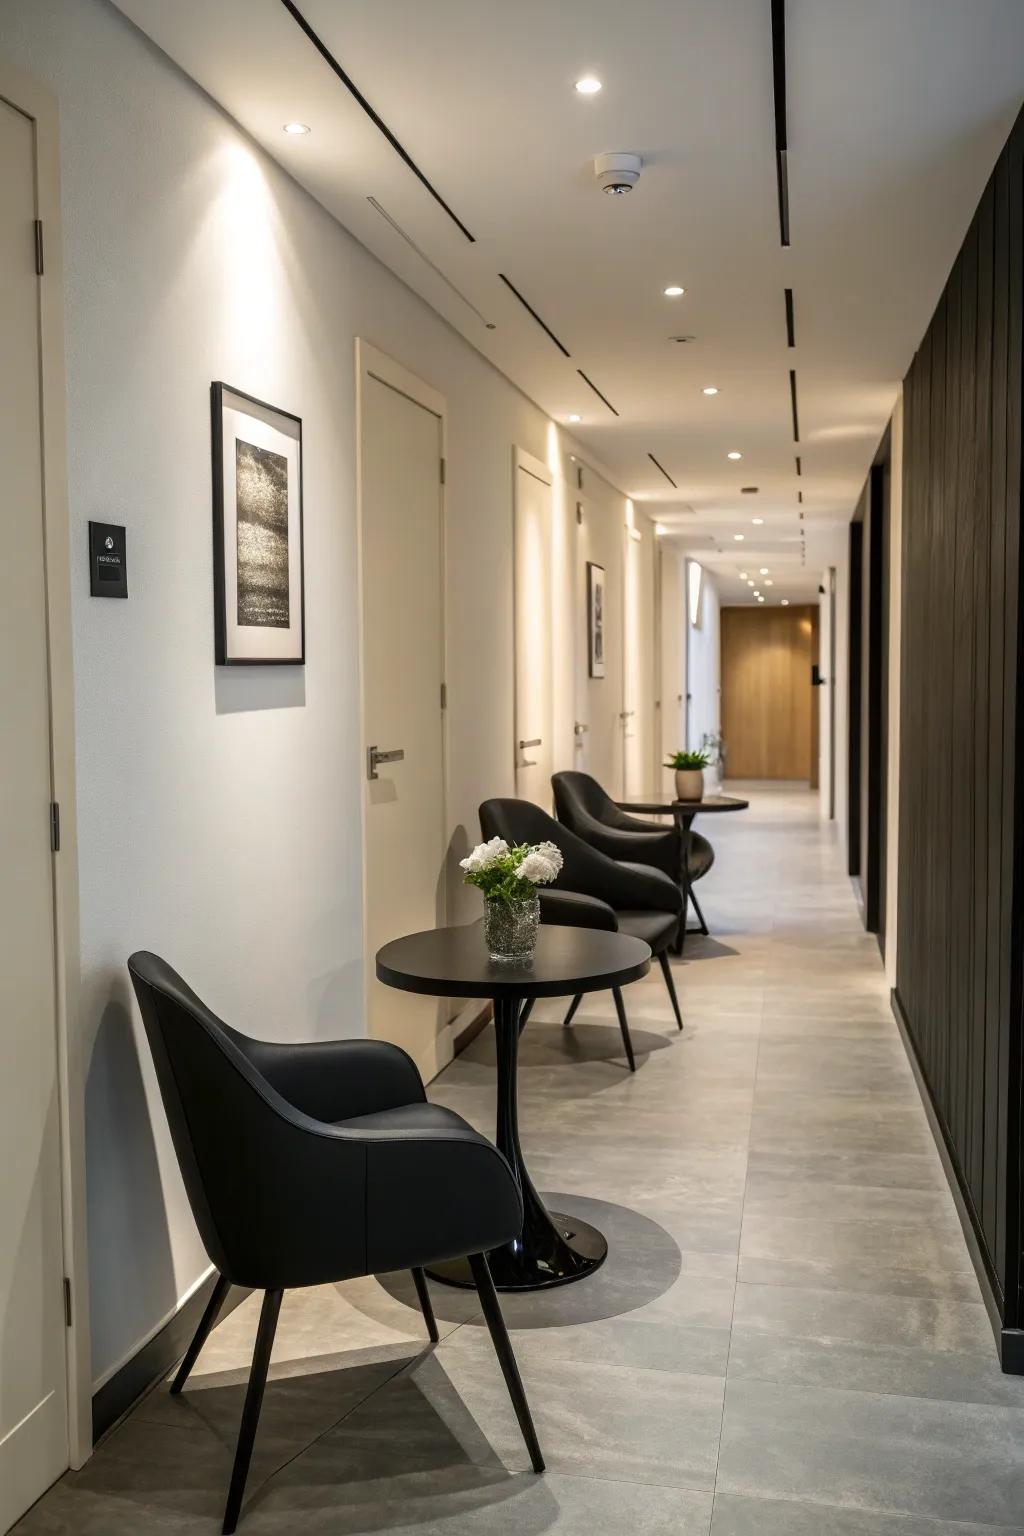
551 1249
685 823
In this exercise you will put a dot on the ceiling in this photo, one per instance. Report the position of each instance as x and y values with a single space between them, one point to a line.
896 109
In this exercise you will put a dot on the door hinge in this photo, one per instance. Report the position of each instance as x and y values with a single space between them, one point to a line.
444 470
54 827
39 247
444 695
67 1302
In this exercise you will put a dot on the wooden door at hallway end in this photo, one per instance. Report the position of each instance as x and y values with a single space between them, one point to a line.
766 692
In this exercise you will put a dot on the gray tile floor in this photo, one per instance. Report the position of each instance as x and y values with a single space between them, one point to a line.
787 1338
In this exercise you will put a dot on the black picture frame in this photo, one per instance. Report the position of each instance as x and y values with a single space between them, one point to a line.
596 620
236 643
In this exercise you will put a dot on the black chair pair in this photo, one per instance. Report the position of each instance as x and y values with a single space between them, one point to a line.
584 807
307 1164
595 891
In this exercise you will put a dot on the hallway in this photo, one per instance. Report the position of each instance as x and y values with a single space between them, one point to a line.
783 1248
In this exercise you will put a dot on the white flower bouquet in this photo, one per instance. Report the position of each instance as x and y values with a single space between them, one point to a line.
511 874
508 878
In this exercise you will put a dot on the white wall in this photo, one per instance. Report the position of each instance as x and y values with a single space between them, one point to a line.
704 666
218 811
673 625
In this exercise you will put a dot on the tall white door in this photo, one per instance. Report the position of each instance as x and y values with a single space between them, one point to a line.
533 629
402 513
33 1365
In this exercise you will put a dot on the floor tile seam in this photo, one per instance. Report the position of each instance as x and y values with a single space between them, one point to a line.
857 1509
732 1313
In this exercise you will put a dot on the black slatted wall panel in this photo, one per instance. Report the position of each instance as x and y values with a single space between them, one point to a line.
962 750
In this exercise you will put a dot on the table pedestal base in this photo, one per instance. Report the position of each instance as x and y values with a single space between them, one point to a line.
565 1250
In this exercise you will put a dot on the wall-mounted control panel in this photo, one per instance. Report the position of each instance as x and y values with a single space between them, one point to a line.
108 570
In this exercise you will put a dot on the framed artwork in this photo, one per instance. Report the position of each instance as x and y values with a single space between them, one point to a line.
595 619
258 591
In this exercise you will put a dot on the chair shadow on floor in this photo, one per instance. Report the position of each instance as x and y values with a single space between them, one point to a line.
643 1263
346 1445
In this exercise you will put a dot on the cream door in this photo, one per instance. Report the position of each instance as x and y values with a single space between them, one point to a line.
638 660
670 735
402 570
533 629
33 1364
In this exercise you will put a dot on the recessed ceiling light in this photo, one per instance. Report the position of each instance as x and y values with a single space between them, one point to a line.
738 537
674 291
769 583
710 389
750 583
574 417
743 575
785 602
734 455
295 128
757 521
762 570
660 530
588 86
760 599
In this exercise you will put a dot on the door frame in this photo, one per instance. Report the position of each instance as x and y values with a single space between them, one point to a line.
34 101
371 362
528 462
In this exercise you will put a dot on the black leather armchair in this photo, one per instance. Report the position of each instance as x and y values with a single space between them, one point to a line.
584 807
595 891
311 1163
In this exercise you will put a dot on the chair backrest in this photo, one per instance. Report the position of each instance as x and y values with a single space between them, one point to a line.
249 1160
579 800
520 821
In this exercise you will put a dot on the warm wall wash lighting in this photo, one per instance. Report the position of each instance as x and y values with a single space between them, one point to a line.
710 389
674 291
660 530
734 455
295 128
588 86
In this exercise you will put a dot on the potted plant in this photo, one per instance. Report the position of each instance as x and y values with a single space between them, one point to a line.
509 878
689 768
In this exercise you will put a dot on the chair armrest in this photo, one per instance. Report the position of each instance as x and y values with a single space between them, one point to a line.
642 888
331 1080
572 909
657 846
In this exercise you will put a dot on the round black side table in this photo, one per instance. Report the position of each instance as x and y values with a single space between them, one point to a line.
453 962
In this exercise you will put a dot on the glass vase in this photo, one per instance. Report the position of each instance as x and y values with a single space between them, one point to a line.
510 927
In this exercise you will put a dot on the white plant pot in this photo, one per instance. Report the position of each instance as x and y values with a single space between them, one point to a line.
689 783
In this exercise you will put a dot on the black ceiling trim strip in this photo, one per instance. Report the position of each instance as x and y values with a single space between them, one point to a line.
792 401
800 499
799 465
781 125
375 118
664 471
790 320
590 383
530 309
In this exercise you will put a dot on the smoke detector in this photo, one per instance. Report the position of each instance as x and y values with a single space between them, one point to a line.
617 173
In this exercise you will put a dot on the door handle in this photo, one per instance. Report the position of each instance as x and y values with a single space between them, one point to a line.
375 756
626 714
537 741
579 729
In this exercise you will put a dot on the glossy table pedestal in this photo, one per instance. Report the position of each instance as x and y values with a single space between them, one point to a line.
552 1249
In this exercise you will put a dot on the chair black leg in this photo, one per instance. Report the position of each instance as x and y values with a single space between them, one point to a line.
572 1010
666 971
620 1009
527 1009
426 1306
253 1404
202 1333
506 1359
699 913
